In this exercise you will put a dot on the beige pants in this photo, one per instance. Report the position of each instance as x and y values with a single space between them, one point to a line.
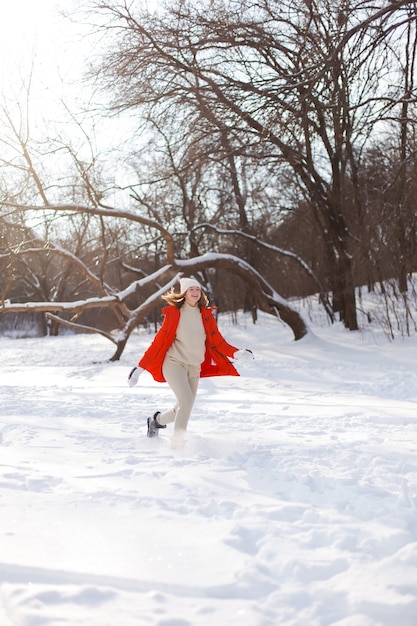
183 380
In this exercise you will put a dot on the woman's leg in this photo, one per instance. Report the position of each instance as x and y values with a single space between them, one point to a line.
183 380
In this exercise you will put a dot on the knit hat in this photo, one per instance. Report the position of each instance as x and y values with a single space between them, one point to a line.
186 283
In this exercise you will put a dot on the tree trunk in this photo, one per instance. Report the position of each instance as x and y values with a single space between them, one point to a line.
345 295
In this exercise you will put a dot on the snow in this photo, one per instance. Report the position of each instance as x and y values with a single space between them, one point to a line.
292 502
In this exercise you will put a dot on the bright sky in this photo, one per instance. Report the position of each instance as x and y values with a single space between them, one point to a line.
25 30
39 44
33 34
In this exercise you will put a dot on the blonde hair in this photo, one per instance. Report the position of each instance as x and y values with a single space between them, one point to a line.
174 298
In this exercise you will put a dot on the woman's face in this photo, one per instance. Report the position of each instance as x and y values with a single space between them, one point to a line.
193 295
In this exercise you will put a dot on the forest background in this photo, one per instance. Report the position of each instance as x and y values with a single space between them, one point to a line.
268 148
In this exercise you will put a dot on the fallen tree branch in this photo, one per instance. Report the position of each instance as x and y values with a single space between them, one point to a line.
83 327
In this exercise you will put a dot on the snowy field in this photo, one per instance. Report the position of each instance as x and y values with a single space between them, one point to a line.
293 501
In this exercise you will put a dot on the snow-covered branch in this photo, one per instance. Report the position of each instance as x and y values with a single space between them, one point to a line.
266 296
106 211
49 307
80 327
281 251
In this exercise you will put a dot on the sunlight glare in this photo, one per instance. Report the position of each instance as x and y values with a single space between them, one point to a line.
25 27
33 51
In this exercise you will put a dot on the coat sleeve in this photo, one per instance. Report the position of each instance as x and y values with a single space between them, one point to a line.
218 350
216 339
153 358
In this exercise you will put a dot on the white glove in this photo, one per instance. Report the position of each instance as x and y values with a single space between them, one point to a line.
133 377
243 353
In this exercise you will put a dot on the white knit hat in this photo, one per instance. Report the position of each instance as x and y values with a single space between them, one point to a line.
186 283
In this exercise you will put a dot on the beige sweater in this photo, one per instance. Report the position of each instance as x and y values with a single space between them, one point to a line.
189 342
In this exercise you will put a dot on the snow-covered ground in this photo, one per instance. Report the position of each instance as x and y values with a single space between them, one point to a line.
293 501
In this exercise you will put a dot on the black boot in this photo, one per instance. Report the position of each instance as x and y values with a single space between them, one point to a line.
154 425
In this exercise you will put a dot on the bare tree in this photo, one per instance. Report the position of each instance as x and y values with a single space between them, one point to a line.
267 298
296 77
406 227
241 107
68 281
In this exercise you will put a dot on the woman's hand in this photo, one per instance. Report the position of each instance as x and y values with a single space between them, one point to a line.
243 353
133 377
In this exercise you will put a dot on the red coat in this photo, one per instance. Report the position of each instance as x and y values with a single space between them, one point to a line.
215 361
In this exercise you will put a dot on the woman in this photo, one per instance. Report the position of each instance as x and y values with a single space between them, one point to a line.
187 346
